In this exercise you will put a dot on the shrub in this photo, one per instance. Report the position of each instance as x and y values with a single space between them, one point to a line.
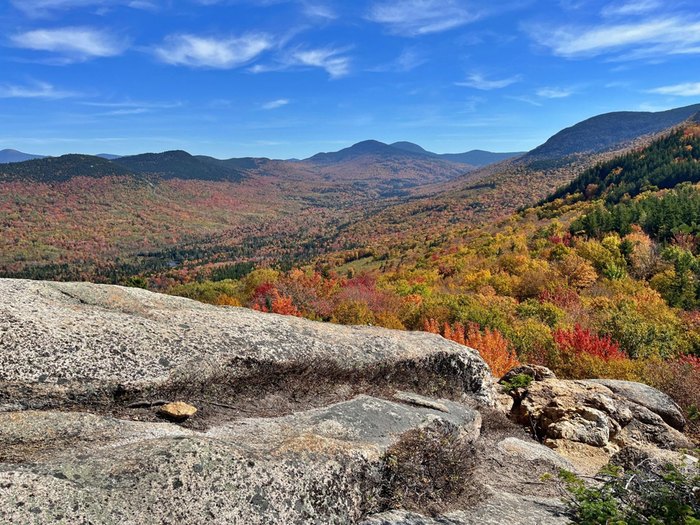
665 497
518 381
428 470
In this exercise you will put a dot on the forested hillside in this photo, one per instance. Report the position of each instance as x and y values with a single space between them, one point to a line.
592 284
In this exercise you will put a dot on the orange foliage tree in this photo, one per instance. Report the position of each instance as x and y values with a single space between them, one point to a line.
495 349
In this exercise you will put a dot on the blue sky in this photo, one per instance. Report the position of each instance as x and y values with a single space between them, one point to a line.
288 78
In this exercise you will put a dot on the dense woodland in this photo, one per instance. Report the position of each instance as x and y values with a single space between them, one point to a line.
592 282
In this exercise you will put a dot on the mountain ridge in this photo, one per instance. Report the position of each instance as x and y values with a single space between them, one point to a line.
475 157
605 131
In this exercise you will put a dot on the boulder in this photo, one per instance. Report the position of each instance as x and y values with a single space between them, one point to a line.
589 421
68 345
533 452
648 397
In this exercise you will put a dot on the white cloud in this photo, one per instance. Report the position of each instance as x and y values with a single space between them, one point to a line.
408 60
421 17
42 8
36 90
329 59
73 43
647 38
274 104
478 81
317 10
218 53
554 92
133 104
636 7
688 89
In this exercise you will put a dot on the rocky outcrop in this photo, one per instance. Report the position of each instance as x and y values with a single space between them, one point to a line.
324 465
648 397
499 509
172 411
121 406
590 421
66 345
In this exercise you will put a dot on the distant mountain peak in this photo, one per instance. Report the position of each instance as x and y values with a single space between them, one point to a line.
360 149
13 155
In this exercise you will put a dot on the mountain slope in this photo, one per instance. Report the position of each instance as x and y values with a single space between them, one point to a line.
663 164
12 155
609 130
479 157
474 157
58 169
586 285
181 165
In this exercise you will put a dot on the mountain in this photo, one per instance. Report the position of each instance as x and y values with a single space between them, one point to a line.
662 165
155 210
180 164
108 156
12 155
495 191
413 148
367 148
607 131
476 157
58 169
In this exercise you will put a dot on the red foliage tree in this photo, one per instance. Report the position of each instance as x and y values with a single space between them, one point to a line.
266 298
581 341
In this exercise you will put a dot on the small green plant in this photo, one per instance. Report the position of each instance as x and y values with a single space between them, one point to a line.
664 497
517 381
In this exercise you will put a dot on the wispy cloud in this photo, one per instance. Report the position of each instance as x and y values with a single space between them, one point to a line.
71 43
333 60
319 10
421 17
555 92
652 37
408 60
479 81
210 52
132 104
687 89
43 8
37 90
526 100
274 104
636 7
